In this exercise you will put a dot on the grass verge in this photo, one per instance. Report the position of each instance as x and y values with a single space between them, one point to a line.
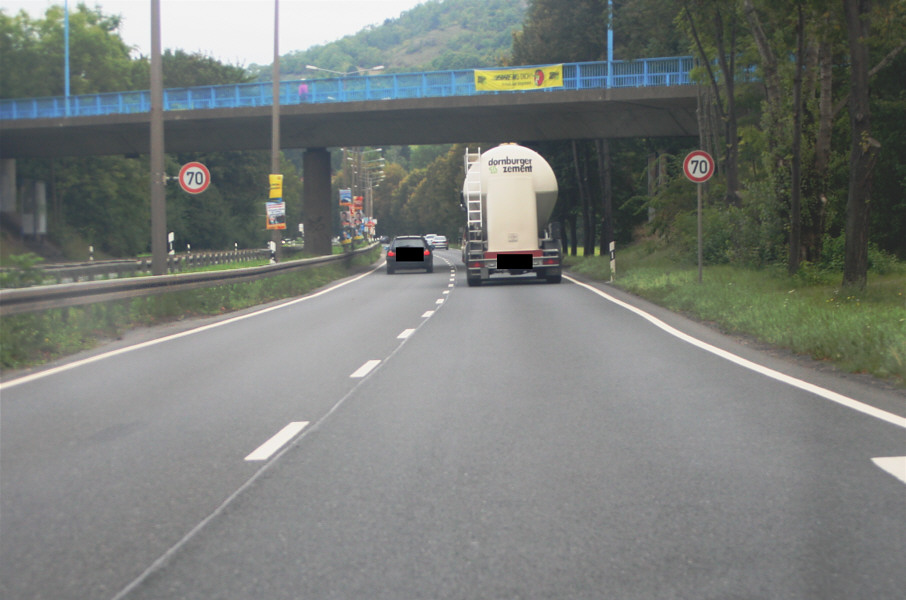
809 314
35 338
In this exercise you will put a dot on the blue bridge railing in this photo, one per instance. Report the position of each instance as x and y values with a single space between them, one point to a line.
576 76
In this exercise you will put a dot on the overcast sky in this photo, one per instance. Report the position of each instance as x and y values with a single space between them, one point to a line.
236 31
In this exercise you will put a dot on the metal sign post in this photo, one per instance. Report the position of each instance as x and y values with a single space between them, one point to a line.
698 167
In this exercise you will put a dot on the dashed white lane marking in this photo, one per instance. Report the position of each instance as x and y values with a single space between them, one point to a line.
895 465
449 286
446 291
365 369
777 375
439 301
406 333
427 314
267 449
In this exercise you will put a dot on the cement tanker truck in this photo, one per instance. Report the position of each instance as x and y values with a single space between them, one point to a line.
508 196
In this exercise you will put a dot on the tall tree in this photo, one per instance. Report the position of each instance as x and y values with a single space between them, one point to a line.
863 148
605 169
713 27
556 31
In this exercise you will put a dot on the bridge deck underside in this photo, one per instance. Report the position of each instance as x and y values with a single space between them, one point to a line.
527 117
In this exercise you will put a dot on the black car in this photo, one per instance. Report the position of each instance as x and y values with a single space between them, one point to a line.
409 252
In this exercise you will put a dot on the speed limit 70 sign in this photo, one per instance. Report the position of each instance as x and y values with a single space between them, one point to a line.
698 166
194 177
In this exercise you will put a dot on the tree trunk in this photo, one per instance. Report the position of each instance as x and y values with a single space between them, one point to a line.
862 146
728 112
573 236
815 184
588 227
796 186
604 169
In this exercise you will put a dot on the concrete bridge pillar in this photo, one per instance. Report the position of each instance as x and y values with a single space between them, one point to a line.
8 185
318 218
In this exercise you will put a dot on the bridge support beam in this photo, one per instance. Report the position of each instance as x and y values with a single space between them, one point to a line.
8 185
318 219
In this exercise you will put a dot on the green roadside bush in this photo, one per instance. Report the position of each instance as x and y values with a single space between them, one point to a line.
809 313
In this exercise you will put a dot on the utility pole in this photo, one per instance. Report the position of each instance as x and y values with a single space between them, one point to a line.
66 53
158 176
275 117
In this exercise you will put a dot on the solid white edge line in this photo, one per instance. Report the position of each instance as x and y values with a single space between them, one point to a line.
267 449
895 465
365 369
406 333
768 372
112 353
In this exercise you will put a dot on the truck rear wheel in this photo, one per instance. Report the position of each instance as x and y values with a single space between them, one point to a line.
473 281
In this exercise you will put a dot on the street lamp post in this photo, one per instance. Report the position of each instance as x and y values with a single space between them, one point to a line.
275 119
158 174
66 53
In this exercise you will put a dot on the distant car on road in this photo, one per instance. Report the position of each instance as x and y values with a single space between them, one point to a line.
440 242
409 252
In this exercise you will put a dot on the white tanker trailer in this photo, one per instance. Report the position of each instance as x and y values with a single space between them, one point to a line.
508 195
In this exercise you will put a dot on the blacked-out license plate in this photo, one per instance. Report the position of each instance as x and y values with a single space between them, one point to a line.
514 261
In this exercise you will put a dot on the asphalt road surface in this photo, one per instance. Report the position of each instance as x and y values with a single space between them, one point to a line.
407 436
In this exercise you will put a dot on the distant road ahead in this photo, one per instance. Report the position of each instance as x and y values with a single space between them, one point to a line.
516 440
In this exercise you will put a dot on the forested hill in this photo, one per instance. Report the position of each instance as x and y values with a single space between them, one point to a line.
436 35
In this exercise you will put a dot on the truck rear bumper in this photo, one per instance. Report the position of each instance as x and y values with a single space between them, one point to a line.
537 260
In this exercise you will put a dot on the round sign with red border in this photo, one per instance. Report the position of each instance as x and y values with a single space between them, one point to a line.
698 166
194 177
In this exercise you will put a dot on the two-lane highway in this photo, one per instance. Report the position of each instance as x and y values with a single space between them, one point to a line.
516 440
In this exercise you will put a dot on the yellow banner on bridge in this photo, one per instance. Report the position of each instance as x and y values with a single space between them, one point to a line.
534 78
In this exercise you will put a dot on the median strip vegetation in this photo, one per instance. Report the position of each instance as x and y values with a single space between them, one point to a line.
35 338
809 313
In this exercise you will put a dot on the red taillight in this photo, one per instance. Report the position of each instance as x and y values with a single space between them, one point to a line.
550 261
427 252
391 253
475 265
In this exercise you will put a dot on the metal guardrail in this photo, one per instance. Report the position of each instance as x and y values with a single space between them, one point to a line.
647 72
34 299
131 267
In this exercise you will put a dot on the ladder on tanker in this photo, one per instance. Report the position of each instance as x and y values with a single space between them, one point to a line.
472 192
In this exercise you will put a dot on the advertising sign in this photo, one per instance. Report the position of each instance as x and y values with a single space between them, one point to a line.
534 78
276 181
276 208
276 215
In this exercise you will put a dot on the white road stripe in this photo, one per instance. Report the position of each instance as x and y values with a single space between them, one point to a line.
406 333
267 449
777 375
895 465
427 314
446 291
439 301
366 368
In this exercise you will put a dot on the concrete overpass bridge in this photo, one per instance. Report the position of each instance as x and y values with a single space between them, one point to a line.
644 98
